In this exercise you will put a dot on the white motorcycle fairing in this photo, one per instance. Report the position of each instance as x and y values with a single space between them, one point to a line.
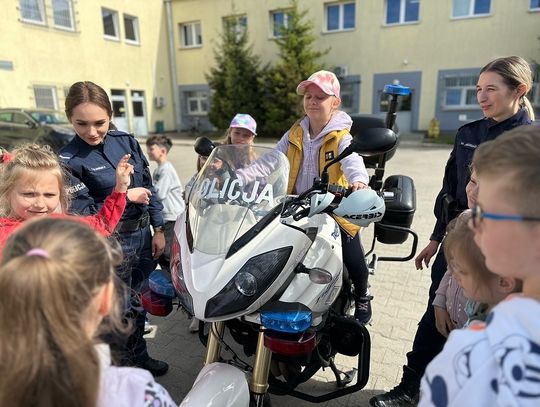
218 384
228 202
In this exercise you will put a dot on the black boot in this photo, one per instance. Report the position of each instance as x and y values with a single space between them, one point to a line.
362 309
406 393
154 366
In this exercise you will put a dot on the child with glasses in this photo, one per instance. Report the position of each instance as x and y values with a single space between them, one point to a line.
498 362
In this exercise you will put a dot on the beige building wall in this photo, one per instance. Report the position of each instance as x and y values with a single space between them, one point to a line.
45 55
436 42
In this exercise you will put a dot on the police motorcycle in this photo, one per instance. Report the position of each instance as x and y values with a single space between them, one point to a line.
268 267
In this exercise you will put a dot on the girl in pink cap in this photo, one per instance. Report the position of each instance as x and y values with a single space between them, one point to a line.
242 130
318 137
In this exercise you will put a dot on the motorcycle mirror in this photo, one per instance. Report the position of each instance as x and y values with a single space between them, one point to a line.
320 276
204 146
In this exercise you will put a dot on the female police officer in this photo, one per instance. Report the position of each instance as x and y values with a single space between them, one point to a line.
500 91
91 158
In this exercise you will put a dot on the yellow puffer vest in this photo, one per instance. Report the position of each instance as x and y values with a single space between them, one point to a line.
328 151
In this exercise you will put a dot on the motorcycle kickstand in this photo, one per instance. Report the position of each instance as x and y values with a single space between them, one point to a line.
348 376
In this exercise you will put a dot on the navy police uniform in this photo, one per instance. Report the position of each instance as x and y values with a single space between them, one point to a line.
93 177
452 200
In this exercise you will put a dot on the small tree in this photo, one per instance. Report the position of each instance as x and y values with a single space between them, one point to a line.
298 60
234 80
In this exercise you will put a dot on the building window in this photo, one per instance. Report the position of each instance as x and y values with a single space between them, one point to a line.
340 16
190 35
131 29
235 24
470 8
402 11
460 91
45 97
110 23
279 21
535 5
63 14
32 11
196 102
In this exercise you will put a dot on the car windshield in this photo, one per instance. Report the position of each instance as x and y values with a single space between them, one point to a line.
49 117
237 187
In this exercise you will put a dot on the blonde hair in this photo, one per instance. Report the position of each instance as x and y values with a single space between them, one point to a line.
514 154
47 302
459 245
515 71
30 157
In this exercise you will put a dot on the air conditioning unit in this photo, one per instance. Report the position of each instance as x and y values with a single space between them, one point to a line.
159 102
341 71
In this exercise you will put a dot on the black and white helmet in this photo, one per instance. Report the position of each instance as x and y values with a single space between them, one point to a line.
362 207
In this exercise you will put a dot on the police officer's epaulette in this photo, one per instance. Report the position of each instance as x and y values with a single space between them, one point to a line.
67 153
473 123
119 133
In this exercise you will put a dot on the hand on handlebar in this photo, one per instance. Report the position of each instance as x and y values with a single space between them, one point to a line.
426 254
358 185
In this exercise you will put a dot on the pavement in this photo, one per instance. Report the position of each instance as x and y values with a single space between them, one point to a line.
400 291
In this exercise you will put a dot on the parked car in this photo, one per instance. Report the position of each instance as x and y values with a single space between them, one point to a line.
50 127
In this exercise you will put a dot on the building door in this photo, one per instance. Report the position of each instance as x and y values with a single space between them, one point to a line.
408 107
120 118
404 116
140 124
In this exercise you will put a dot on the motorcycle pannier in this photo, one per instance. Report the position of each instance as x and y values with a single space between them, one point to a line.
399 209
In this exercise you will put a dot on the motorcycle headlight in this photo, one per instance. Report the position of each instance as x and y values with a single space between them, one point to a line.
177 277
252 280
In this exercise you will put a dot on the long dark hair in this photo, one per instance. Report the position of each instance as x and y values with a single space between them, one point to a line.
88 92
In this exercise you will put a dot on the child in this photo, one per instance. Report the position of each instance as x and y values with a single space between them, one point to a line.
450 304
498 362
314 140
242 130
481 287
57 286
169 191
33 185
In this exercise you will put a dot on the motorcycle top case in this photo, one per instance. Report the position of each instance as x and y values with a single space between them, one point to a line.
399 209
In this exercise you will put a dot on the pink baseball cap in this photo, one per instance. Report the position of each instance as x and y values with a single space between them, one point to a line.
244 121
325 80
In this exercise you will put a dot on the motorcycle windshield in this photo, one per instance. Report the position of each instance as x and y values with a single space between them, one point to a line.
237 187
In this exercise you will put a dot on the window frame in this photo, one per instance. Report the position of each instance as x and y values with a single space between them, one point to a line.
71 16
116 24
53 95
41 7
193 28
402 12
470 14
341 16
463 96
240 22
135 21
531 8
199 96
274 28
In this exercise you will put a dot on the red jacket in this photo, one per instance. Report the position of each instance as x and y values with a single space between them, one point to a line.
105 221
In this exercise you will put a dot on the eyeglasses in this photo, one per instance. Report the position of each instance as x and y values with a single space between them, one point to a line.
478 214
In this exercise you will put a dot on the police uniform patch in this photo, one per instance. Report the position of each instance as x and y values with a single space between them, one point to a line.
329 155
